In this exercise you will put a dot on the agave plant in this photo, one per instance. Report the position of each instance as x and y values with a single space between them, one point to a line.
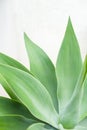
45 97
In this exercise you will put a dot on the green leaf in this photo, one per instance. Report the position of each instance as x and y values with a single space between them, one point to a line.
68 66
7 88
31 93
80 128
42 68
70 114
83 122
14 123
4 59
41 126
83 105
82 125
12 107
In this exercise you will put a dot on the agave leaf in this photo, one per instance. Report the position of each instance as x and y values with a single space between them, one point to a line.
14 123
40 126
12 107
7 88
4 59
42 68
80 128
31 93
68 66
70 114
83 106
82 125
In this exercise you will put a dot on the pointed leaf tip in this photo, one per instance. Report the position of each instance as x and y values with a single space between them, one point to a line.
69 19
68 65
69 23
42 68
28 40
25 34
26 37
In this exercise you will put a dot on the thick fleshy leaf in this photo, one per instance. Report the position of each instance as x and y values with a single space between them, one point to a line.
83 105
4 59
7 88
80 128
42 68
14 123
12 107
68 66
41 126
70 114
82 125
31 93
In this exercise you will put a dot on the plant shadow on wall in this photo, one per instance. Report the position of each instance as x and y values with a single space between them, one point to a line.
45 97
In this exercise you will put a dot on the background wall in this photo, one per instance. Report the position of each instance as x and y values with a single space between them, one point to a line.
44 21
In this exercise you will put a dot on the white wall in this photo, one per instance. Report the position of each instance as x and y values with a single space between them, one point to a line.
44 21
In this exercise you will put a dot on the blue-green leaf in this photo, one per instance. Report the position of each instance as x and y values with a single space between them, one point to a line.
11 107
14 123
82 125
4 59
83 105
68 66
31 93
70 114
41 126
7 88
42 68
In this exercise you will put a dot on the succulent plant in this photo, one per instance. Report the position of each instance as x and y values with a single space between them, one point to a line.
45 97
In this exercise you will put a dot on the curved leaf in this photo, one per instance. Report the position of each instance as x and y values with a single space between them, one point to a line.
4 59
83 105
80 128
41 126
68 66
14 123
7 88
12 107
42 68
70 114
82 125
31 93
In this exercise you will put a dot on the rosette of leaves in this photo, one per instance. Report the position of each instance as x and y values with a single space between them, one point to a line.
45 97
